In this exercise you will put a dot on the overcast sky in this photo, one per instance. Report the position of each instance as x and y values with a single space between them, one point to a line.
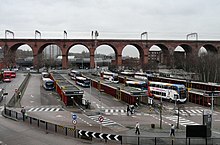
162 19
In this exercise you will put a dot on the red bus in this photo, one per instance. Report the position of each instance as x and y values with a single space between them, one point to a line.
13 74
7 76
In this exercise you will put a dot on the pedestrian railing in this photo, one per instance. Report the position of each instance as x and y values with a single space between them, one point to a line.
111 138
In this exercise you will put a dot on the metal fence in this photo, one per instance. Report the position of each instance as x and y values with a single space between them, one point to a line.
125 140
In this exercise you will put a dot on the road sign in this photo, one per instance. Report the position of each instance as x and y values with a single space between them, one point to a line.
74 116
100 135
74 122
101 118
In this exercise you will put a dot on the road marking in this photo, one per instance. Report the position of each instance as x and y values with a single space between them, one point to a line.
105 122
44 109
182 121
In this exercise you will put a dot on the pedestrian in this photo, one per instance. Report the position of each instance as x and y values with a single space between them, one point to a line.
132 109
172 130
19 94
23 111
128 110
137 128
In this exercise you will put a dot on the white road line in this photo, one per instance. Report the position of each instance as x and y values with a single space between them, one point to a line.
41 109
57 109
35 109
199 111
194 111
52 109
47 109
31 109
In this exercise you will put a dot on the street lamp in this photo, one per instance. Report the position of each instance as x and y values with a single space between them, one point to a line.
192 35
96 34
144 33
65 34
8 31
37 32
92 34
100 99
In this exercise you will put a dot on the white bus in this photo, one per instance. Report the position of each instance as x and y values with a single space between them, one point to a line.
48 84
141 76
45 75
110 76
128 73
74 73
82 81
173 92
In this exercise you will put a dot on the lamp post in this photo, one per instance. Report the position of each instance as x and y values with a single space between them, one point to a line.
92 34
96 34
144 33
65 34
212 108
8 31
192 35
37 32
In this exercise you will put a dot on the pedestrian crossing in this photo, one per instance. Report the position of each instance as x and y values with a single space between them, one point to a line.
115 111
192 112
44 109
182 121
183 112
105 121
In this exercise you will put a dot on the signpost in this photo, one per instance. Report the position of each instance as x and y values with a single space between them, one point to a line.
74 121
101 119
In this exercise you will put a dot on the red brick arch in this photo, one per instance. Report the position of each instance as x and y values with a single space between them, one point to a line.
143 46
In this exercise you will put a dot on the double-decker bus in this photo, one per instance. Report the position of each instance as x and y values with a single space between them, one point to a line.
137 84
82 81
74 73
141 76
45 75
128 73
7 76
110 76
173 92
13 74
48 84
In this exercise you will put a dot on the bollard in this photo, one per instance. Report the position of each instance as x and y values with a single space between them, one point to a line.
55 128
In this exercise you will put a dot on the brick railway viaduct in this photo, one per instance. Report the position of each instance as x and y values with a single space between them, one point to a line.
10 46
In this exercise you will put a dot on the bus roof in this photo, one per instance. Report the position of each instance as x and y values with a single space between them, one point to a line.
109 73
81 78
166 84
135 82
47 79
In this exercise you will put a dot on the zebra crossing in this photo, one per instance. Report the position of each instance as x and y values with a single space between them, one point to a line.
196 111
105 122
44 109
115 111
182 121
192 112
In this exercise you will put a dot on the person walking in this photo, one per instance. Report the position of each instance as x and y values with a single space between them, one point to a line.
128 110
172 130
137 128
23 111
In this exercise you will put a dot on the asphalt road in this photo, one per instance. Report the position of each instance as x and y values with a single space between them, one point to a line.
115 119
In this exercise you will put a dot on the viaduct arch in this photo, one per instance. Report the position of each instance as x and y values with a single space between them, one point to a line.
167 46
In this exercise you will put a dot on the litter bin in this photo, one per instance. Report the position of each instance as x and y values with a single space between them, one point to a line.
152 125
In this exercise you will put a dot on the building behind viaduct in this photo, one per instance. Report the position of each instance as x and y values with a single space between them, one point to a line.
191 47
